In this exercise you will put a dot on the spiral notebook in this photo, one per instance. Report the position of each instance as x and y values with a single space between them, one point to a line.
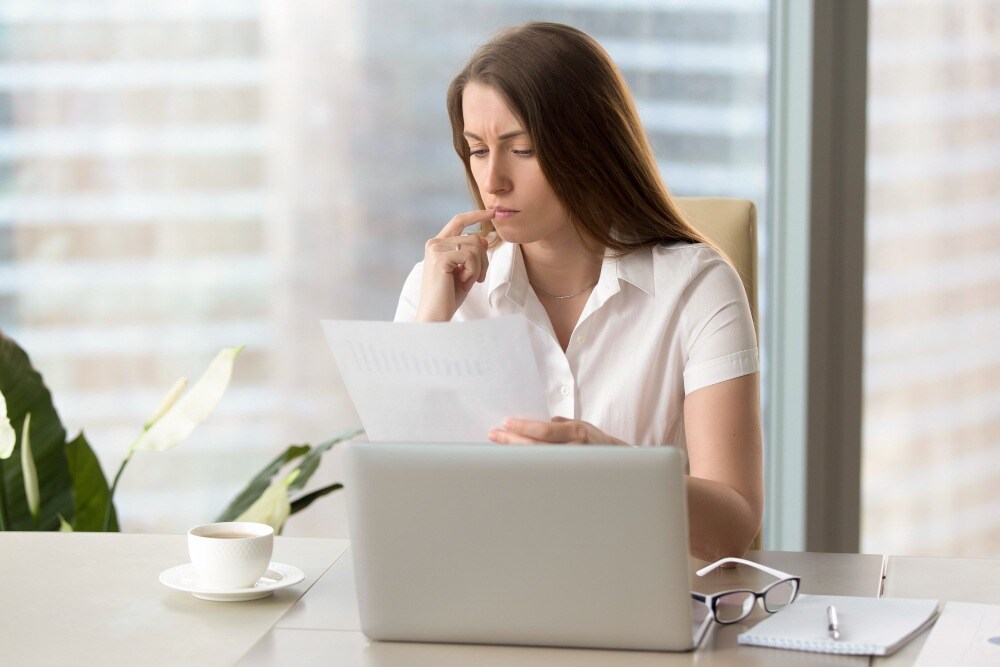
868 626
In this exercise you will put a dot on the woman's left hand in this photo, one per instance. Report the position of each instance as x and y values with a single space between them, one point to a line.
559 430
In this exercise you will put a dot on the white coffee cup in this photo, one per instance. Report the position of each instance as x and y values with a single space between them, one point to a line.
230 555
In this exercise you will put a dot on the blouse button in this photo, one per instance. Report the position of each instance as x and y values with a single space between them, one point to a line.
580 338
565 391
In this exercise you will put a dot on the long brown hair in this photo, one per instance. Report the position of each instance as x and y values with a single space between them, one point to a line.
576 107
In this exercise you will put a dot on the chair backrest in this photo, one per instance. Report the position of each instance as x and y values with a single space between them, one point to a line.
731 224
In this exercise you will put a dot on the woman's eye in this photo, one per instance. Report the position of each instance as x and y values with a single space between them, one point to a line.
524 153
481 152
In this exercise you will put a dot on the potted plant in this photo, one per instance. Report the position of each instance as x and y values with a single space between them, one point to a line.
50 482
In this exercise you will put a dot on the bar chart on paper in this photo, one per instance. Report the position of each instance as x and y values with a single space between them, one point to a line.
368 357
443 382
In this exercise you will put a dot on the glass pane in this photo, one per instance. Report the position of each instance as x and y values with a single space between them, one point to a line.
779 595
182 177
733 606
931 457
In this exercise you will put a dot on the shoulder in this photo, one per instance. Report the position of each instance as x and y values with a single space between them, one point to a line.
695 281
684 263
667 254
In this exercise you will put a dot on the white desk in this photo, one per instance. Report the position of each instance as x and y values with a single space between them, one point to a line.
87 599
327 631
946 579
96 599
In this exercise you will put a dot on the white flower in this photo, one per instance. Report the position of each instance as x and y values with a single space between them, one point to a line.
8 436
28 469
182 415
168 401
273 506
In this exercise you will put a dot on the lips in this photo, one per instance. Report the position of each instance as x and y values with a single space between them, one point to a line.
502 213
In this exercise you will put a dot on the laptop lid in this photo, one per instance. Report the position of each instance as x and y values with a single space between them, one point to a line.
566 545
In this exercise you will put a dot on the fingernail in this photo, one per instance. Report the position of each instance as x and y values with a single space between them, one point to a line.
507 423
493 436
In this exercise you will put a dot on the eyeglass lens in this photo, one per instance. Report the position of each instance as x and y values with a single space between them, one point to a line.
779 595
733 606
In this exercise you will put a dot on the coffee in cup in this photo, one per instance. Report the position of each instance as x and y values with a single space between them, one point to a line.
232 554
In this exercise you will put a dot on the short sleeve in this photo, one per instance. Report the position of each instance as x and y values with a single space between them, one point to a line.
718 329
409 298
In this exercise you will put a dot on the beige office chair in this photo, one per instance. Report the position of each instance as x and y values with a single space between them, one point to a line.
731 224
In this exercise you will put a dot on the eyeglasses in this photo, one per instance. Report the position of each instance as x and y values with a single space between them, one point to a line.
735 605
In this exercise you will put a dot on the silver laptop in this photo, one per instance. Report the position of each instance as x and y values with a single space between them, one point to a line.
562 545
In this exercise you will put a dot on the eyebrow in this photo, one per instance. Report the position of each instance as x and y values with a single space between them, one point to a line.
507 135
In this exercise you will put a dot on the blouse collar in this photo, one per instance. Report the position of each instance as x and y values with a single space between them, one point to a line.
507 269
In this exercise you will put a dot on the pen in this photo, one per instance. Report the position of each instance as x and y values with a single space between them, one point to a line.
832 626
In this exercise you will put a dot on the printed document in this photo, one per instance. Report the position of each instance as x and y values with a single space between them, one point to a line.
441 381
966 635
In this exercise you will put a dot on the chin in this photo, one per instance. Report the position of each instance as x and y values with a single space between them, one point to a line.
513 233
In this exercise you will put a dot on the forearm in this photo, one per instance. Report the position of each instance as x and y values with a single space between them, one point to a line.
431 314
721 522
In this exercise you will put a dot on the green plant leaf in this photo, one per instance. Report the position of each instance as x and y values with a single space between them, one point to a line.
261 482
311 462
64 526
305 501
90 487
25 392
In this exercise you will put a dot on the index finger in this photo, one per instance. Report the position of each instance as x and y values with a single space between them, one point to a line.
463 220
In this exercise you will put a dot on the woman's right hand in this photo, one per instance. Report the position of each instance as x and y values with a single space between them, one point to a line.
452 265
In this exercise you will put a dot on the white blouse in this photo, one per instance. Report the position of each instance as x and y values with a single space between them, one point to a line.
661 323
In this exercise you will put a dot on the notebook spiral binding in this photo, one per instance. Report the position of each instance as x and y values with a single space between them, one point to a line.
838 647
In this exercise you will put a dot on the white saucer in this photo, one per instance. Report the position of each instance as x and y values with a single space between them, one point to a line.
278 575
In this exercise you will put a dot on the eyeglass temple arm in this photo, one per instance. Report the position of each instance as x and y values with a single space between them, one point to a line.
770 570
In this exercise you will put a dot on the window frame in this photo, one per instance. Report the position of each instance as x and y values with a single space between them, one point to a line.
815 274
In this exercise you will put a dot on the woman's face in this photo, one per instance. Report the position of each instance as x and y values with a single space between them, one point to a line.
507 172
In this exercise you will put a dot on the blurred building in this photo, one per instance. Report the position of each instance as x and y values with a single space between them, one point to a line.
931 449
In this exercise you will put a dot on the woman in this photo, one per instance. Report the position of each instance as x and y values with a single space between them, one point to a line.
642 329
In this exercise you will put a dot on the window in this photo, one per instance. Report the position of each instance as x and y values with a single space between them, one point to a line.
182 177
931 461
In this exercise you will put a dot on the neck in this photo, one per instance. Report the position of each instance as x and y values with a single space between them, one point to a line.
561 267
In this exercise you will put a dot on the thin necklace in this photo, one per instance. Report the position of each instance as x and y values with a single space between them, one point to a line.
568 296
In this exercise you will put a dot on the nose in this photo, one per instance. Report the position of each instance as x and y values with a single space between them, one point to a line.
495 178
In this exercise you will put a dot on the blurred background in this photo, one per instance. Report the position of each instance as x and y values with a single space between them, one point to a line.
184 176
177 177
931 409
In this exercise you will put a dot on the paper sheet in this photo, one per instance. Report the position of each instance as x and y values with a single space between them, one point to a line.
440 382
965 635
